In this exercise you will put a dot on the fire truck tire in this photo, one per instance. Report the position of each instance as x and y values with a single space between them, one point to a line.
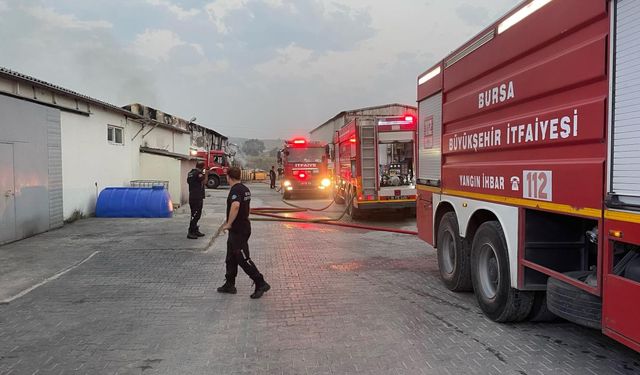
339 199
491 277
213 182
574 304
453 255
286 195
540 311
354 212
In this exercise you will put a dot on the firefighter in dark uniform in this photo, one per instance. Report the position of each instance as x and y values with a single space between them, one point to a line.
239 228
272 176
196 179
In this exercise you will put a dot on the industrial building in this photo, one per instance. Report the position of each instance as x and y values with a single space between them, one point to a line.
326 130
165 148
59 149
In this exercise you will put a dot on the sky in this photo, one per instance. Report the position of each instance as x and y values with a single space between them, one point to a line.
246 68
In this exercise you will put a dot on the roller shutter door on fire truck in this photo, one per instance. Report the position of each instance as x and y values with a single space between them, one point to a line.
625 178
429 132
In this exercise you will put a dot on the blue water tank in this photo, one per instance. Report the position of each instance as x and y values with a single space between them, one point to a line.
134 202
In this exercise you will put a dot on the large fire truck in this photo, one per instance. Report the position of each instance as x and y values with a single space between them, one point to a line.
304 165
529 169
217 164
374 164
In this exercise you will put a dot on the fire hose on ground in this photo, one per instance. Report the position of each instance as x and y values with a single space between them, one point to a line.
273 214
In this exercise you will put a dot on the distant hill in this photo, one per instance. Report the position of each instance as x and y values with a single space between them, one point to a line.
269 144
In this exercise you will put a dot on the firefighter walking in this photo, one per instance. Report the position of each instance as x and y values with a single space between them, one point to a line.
196 179
239 229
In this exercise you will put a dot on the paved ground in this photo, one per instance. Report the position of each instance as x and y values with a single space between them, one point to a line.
343 302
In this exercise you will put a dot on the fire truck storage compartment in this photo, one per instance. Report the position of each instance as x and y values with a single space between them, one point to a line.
429 135
625 158
396 162
561 243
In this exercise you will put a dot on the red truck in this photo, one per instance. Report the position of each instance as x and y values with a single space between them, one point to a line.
304 165
374 164
529 169
217 163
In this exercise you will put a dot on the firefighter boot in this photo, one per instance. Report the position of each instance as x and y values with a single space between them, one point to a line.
261 288
228 288
191 235
198 233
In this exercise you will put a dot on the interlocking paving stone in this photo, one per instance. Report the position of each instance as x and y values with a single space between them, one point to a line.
343 301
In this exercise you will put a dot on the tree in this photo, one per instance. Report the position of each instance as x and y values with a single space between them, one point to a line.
253 147
274 152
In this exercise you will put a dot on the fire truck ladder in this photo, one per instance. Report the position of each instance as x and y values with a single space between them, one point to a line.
368 153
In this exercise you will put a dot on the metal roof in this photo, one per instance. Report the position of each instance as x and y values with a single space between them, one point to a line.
343 113
35 81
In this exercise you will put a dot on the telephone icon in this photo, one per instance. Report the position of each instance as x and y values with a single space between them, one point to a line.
515 183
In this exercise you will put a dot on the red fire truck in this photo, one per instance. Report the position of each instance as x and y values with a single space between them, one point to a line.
529 169
374 164
217 163
305 167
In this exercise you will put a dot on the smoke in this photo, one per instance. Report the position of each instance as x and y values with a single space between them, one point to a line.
79 55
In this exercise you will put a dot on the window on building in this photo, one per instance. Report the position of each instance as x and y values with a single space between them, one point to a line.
115 135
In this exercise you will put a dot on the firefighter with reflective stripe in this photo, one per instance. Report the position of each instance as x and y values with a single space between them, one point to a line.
239 228
196 179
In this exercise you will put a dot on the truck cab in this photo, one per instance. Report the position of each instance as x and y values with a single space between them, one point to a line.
217 163
305 167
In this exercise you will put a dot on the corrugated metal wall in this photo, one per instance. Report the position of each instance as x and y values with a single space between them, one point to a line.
33 131
326 132
54 149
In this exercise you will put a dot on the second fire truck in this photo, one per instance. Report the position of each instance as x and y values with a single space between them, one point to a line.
374 164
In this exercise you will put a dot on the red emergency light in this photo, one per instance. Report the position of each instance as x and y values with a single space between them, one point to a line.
352 140
301 175
299 141
409 118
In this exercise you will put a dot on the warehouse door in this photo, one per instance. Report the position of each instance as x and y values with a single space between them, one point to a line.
7 194
625 173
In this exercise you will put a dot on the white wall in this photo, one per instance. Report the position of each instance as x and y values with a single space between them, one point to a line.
166 139
185 167
90 163
165 168
327 131
158 167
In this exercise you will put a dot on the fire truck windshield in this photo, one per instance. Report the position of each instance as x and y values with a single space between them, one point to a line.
305 155
219 159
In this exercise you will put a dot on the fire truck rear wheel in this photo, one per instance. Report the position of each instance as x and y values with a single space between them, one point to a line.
574 304
453 255
213 182
354 212
491 277
339 199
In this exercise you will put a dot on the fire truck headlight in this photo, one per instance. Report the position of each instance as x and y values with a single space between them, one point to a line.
289 188
326 182
287 183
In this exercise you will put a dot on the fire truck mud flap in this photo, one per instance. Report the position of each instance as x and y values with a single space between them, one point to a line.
574 304
453 255
490 277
